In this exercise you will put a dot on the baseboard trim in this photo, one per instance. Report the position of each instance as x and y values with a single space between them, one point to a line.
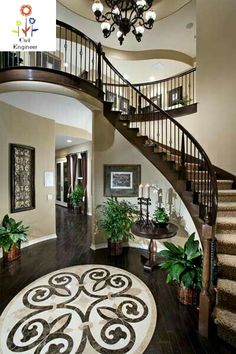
35 241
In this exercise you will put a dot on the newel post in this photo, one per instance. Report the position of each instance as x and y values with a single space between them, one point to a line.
205 296
99 68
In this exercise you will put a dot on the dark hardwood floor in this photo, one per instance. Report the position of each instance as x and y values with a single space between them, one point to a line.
176 329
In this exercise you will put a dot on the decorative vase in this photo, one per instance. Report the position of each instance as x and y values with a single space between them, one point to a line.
12 254
114 248
187 296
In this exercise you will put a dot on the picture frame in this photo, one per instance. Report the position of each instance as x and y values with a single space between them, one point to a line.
157 100
22 177
111 97
175 95
121 180
123 104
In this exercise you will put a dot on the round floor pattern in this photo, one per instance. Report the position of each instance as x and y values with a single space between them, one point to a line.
81 309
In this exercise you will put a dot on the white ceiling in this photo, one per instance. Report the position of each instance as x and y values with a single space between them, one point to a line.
61 141
168 33
64 110
148 70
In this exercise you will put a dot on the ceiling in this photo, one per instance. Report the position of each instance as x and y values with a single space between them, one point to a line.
62 109
65 141
172 30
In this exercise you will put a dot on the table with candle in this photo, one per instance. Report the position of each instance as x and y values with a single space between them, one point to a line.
149 229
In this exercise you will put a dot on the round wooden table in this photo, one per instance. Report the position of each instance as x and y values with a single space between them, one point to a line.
153 232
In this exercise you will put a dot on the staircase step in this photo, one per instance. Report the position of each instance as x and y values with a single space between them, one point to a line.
226 294
226 224
226 243
227 266
227 209
224 183
226 325
228 195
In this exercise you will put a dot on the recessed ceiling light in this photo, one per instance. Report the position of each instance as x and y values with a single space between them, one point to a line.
189 25
69 141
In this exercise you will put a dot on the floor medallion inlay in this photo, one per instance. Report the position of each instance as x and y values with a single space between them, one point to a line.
81 309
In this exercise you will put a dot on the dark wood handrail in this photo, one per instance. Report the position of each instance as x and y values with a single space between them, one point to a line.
190 137
167 79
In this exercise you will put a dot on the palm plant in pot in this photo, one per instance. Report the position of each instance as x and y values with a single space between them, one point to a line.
76 198
12 233
184 267
116 220
160 217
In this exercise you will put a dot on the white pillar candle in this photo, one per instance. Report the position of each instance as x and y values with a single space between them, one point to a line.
147 191
140 191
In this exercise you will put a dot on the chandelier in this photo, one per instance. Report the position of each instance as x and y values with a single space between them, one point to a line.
126 15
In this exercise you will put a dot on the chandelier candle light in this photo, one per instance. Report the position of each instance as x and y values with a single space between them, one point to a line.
125 15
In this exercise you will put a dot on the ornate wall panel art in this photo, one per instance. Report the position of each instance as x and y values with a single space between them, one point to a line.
22 176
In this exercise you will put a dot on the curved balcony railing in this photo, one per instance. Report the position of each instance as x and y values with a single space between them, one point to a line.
78 55
174 92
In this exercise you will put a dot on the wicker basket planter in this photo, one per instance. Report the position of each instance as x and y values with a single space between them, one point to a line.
187 296
114 248
12 254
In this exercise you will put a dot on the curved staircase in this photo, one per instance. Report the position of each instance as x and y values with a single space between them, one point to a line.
170 148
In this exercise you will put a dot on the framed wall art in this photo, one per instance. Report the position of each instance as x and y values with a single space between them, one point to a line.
111 97
121 180
124 104
175 95
157 100
22 177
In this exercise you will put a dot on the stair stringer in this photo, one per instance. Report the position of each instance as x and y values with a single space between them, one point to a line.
157 159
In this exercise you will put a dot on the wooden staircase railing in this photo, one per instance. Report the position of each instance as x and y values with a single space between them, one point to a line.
133 112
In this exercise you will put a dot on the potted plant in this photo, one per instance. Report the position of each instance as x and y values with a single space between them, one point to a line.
116 220
76 198
12 233
184 267
160 217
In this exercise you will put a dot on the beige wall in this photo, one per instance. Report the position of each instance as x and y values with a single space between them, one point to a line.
214 126
80 148
20 127
110 147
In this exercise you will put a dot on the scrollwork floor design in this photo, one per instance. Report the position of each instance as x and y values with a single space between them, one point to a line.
81 309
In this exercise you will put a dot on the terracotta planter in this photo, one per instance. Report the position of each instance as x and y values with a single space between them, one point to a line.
114 248
187 296
12 254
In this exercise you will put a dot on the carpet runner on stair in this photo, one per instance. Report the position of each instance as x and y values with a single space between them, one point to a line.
225 311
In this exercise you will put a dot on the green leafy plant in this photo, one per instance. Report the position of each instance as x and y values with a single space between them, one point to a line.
160 215
117 218
183 264
184 101
76 197
12 233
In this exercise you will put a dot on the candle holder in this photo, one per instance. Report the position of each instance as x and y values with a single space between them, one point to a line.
144 202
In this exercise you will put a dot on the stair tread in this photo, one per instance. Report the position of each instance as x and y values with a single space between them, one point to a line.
226 238
226 318
226 205
227 191
226 285
226 220
225 181
227 259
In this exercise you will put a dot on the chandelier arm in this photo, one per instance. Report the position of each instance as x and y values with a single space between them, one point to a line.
105 17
